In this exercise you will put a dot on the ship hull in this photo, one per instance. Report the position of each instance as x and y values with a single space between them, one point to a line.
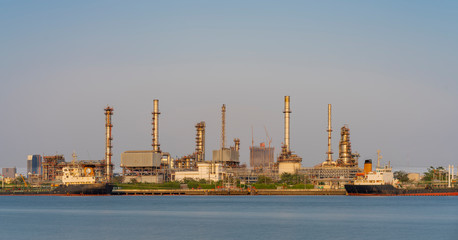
390 190
84 189
67 190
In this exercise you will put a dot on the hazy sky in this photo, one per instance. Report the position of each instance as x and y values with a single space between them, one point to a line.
388 67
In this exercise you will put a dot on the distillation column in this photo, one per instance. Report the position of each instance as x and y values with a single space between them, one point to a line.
200 141
345 155
156 145
237 144
108 138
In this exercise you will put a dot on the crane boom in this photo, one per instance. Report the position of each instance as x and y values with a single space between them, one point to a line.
25 183
268 137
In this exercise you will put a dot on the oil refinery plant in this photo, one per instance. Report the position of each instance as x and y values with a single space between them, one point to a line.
51 168
155 166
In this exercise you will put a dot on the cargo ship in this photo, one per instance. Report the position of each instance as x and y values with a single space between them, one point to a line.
81 181
382 183
76 181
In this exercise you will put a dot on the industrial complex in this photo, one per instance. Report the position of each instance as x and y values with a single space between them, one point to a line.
50 168
155 166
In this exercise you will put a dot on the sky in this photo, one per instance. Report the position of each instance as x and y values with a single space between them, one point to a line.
389 69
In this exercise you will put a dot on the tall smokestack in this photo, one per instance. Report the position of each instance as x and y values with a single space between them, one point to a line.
156 148
288 162
287 111
367 166
108 138
223 126
329 135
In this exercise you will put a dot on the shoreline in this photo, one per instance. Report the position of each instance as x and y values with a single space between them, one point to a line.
230 192
194 192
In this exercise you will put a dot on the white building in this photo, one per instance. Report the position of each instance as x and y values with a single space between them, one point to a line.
209 171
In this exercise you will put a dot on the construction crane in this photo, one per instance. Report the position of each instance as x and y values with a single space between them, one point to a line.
268 137
25 183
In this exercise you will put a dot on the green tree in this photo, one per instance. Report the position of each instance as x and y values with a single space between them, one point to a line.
291 179
401 176
433 173
187 180
264 180
193 184
218 183
286 178
118 179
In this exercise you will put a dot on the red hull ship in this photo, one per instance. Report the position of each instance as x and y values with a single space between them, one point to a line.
382 183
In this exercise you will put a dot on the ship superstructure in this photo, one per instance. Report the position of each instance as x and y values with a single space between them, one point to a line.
382 183
382 175
78 175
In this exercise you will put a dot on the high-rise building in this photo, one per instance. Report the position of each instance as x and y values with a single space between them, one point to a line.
34 164
9 172
261 157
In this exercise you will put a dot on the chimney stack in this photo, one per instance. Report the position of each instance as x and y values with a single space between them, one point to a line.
287 111
108 138
329 160
223 126
156 148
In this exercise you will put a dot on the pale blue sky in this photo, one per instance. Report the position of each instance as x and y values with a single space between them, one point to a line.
388 68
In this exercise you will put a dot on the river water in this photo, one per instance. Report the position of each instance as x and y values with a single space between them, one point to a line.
228 217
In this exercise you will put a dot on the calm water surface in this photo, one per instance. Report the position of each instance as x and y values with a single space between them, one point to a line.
231 217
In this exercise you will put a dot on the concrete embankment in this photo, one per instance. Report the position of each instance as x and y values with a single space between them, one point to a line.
229 192
301 192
